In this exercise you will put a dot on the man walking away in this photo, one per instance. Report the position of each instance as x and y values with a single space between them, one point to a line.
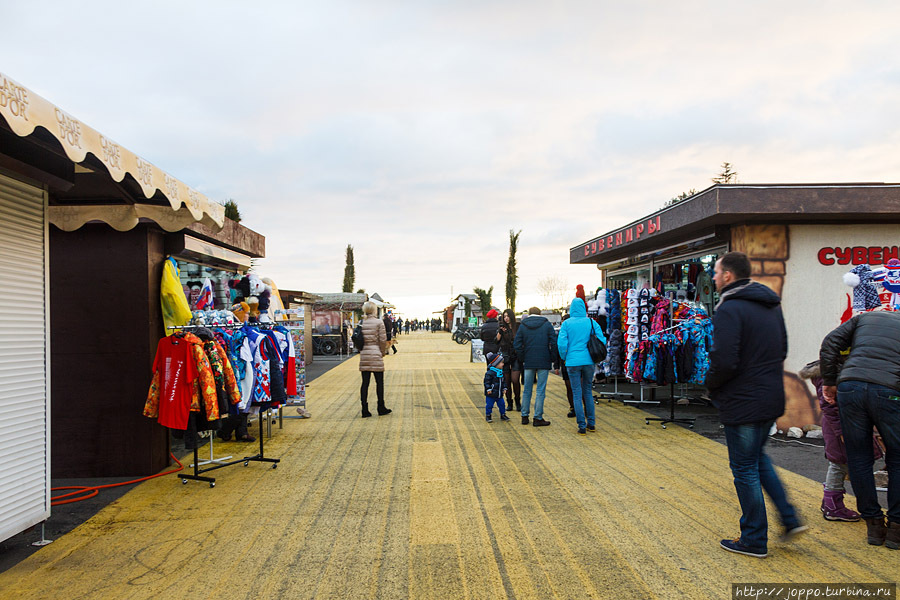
867 389
746 383
535 345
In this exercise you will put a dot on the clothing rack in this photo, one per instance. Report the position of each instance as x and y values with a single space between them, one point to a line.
211 460
260 457
689 421
609 396
224 461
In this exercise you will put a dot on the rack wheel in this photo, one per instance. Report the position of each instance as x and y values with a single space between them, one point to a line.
184 481
647 422
246 463
663 426
274 465
690 427
212 484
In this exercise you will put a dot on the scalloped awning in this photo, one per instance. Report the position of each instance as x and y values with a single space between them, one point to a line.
24 110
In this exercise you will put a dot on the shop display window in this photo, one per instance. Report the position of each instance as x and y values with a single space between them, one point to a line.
690 279
192 278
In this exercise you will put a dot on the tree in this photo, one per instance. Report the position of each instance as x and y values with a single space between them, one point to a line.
232 212
553 288
484 298
680 197
728 174
512 278
349 271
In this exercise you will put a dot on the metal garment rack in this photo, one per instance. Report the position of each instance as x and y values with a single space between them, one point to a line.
260 457
223 462
689 421
615 394
212 460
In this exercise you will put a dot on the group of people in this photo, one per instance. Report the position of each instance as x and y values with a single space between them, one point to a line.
532 348
857 375
746 383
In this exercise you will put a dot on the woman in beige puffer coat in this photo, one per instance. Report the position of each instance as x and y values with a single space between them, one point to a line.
371 359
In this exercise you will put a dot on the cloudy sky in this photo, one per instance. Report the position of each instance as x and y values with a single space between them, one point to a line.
422 132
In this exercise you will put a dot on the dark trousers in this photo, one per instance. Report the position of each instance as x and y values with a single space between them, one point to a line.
864 405
379 386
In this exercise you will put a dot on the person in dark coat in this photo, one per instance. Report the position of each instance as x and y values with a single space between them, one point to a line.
535 345
388 330
746 384
512 367
867 391
833 508
489 333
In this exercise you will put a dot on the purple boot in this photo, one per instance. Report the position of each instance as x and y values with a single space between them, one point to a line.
833 508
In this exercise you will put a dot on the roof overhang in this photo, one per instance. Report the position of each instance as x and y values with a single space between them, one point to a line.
706 216
24 112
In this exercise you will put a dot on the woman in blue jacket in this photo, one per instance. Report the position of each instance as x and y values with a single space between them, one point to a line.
572 343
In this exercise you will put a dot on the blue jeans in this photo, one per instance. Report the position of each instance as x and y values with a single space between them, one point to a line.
753 473
489 402
581 377
541 392
862 406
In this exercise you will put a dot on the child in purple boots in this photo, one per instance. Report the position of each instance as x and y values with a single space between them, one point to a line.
833 508
494 387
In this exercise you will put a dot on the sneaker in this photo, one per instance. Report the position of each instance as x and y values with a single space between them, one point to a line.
571 414
790 534
591 428
503 417
735 545
524 420
540 423
489 419
582 431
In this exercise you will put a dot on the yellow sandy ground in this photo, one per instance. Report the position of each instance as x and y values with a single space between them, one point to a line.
432 502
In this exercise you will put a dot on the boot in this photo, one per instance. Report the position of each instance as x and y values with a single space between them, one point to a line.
518 404
833 508
876 532
892 539
365 410
382 410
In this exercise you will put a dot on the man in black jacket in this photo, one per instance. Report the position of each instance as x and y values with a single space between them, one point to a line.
867 389
746 383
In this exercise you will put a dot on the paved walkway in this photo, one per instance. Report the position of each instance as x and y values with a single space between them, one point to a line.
432 502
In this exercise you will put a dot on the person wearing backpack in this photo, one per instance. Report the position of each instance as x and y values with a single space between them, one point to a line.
371 359
572 343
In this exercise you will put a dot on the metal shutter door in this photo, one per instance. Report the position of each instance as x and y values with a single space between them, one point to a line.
24 354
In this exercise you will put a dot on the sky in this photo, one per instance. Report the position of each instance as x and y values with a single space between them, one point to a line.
421 133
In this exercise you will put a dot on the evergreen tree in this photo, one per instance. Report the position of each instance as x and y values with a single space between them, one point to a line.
512 277
728 174
232 212
484 299
349 272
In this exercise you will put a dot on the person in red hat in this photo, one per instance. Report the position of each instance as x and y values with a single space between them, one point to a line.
490 334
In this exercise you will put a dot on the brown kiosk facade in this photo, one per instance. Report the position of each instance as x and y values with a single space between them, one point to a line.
801 239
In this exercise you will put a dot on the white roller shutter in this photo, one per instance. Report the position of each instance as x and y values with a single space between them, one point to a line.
24 359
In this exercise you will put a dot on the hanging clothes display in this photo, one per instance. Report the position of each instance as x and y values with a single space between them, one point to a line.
673 354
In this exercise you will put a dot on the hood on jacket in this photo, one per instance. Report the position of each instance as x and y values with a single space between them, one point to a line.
753 291
577 308
811 371
534 321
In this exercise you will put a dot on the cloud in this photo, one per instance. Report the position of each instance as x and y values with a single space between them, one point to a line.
422 133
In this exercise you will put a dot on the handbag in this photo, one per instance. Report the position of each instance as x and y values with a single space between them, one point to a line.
596 349
358 338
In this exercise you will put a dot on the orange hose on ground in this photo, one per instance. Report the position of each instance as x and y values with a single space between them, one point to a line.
91 491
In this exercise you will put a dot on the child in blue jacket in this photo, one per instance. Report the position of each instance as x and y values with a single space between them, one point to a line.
494 386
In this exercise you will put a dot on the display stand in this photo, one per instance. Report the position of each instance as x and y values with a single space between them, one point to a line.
615 394
671 419
641 400
293 320
260 457
212 460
